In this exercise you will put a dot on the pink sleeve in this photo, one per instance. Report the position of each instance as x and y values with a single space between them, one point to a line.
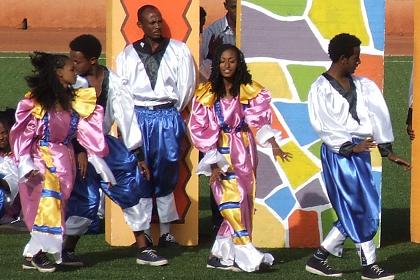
203 126
22 136
23 131
258 113
90 133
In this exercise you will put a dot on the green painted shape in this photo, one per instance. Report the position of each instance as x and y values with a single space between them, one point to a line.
315 149
303 76
284 8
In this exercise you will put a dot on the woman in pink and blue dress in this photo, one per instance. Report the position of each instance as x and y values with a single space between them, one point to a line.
223 111
48 118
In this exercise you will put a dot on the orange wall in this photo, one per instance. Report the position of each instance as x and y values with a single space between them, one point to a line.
91 14
53 13
399 17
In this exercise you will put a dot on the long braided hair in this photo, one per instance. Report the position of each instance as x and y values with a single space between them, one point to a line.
241 76
44 83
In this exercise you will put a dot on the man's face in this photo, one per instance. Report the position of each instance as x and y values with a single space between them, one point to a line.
151 23
353 61
230 6
82 65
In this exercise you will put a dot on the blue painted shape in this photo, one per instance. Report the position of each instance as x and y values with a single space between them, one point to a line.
282 202
375 10
297 119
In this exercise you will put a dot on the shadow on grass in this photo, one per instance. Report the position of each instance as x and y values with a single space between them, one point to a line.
395 226
403 262
93 258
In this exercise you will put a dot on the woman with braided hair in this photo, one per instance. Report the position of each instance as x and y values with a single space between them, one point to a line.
48 118
223 110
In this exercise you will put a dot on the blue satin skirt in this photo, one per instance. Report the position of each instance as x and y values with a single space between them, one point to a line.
162 132
84 200
352 193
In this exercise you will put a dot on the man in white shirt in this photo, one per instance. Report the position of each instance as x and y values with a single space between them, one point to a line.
222 31
160 74
351 117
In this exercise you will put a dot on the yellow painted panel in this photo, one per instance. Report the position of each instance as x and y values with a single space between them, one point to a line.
270 75
300 168
376 159
415 148
268 232
347 15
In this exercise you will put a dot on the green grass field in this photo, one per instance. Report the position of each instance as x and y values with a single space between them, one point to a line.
105 262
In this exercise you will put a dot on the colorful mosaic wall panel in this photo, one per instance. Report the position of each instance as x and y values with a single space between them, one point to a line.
285 43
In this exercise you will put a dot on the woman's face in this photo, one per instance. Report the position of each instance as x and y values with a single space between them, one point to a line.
228 63
67 74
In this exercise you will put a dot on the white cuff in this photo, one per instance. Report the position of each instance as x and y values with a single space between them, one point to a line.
369 252
26 165
76 225
265 133
212 157
334 242
102 169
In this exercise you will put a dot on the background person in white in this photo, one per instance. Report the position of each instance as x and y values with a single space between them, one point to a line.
351 117
222 31
160 73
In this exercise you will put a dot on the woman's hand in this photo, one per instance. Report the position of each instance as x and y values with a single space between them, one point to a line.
32 174
216 174
278 152
82 163
364 146
396 159
144 169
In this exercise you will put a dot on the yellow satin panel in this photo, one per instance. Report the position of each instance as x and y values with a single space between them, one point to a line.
224 142
243 240
47 212
49 209
205 95
245 138
249 91
85 101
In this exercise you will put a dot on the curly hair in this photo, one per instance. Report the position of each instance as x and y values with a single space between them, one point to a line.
87 44
44 83
241 76
342 44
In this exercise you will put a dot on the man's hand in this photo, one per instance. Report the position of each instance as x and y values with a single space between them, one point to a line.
364 146
396 159
410 132
82 163
214 43
144 170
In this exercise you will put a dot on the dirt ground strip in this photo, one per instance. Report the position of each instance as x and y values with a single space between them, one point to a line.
49 40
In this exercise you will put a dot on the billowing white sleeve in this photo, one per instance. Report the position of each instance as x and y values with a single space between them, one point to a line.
328 117
120 109
185 78
212 157
9 170
378 112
